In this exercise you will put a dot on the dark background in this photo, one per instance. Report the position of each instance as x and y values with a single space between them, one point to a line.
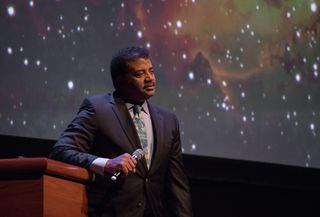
219 187
242 76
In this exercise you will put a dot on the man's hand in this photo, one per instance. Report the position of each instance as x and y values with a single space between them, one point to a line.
125 163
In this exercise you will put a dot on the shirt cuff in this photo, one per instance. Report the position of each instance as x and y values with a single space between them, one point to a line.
98 165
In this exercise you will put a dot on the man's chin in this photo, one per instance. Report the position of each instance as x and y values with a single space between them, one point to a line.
149 93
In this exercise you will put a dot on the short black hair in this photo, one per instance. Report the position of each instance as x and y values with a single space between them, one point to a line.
119 66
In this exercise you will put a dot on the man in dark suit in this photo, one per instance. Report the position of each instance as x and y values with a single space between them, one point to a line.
109 128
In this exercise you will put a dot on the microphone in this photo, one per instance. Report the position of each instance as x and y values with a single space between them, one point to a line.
137 155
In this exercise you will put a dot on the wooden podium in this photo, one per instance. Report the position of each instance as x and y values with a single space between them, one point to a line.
40 187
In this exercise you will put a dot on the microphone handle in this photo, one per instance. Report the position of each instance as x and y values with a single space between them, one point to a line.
115 176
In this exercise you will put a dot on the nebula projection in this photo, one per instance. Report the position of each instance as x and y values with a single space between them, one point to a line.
242 76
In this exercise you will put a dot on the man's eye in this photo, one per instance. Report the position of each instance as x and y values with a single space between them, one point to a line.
138 73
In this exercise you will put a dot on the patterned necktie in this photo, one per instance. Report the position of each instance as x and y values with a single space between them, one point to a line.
141 129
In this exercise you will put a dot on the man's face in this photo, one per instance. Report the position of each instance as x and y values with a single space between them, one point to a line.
139 83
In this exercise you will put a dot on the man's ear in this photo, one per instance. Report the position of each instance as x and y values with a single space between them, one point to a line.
121 81
117 83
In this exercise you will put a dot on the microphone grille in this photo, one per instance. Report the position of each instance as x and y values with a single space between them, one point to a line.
138 154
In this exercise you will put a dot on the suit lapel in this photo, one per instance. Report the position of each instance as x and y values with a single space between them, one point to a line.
157 124
124 118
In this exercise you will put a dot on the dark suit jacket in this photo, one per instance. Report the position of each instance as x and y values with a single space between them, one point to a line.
103 128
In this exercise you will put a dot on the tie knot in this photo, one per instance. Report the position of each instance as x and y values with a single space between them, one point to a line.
136 110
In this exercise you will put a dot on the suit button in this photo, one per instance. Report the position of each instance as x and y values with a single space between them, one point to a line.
139 204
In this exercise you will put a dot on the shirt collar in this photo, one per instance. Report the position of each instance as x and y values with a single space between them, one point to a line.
144 107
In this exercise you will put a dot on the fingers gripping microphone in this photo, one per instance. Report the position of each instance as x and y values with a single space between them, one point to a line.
137 155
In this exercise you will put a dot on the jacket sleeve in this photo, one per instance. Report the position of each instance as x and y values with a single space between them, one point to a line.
177 182
75 143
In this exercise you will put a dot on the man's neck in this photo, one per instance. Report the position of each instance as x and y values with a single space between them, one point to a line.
128 99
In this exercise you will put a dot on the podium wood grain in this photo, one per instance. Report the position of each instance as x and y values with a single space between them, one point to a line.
40 187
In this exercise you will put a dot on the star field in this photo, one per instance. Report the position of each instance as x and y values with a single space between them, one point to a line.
242 76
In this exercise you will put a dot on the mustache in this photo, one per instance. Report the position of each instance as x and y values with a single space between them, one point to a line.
150 84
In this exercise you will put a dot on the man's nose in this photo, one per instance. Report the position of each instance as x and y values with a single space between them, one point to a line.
149 76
